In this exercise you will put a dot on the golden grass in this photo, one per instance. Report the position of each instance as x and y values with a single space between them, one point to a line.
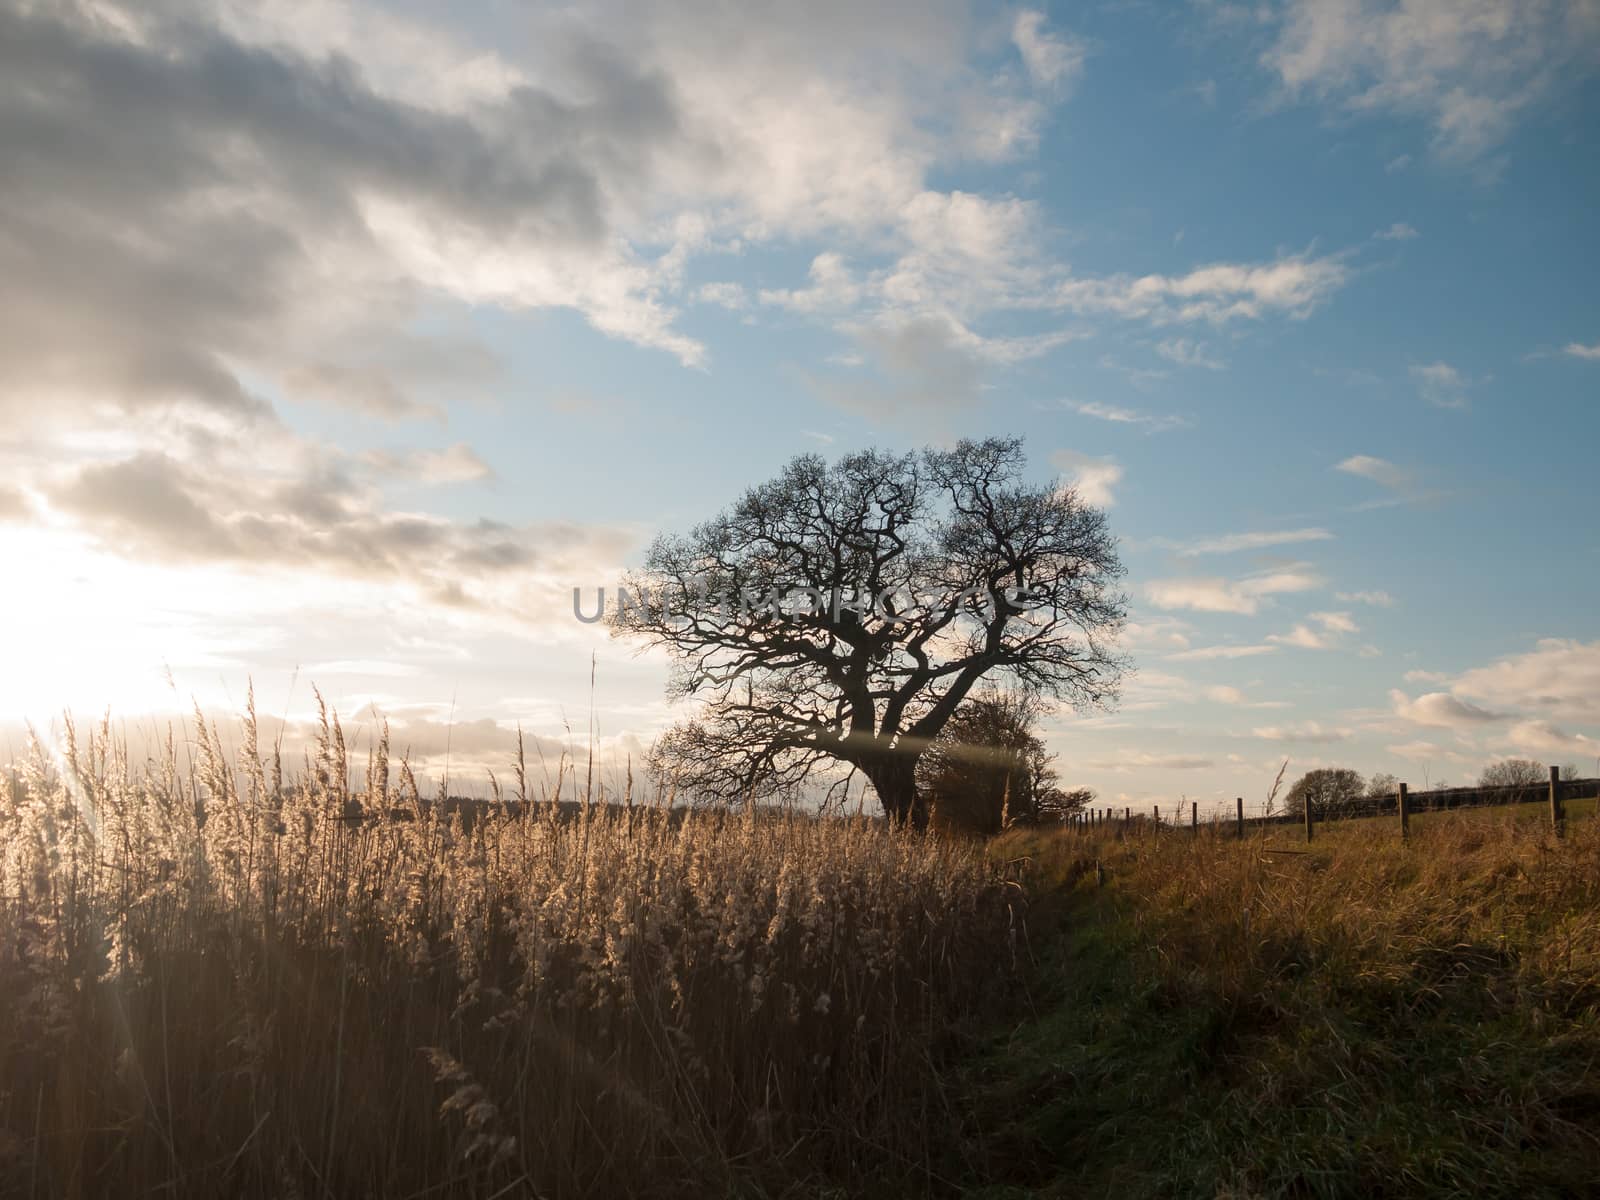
215 981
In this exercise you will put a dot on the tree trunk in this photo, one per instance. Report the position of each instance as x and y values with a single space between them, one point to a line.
894 777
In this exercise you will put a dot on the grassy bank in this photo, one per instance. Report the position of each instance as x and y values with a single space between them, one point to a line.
1357 1018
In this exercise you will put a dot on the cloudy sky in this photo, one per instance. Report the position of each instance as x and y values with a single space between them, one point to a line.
338 342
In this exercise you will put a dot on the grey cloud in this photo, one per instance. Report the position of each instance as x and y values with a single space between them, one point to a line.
154 505
175 209
144 499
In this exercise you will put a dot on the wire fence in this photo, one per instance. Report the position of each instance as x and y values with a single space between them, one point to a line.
1402 804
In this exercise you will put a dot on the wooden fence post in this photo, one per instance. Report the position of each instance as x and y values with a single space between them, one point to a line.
1194 816
1239 805
1558 818
1308 814
1157 817
1405 813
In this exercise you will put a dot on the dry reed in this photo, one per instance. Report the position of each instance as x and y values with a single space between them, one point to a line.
218 981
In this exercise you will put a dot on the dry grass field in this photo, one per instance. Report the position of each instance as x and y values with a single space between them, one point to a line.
214 981
1361 1017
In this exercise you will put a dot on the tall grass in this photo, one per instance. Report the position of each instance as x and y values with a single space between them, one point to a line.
216 980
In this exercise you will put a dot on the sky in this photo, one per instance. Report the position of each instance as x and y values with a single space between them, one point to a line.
340 342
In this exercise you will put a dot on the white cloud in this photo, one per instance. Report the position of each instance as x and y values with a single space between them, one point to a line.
1579 350
1303 637
1232 543
1543 738
1398 232
1377 599
731 296
1094 478
1336 622
459 463
1052 59
1310 732
1165 633
1243 596
1469 68
1306 638
1293 285
1441 385
1426 677
1380 470
833 287
1559 680
1187 353
1416 751
1134 760
1206 653
1151 422
1440 709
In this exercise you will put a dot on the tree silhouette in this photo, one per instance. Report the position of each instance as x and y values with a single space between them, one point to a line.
1329 790
841 613
989 766
1513 772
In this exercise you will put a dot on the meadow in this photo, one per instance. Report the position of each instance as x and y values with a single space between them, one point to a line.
219 977
1359 1017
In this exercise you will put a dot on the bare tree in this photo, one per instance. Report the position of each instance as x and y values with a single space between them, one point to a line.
840 614
1383 785
1513 772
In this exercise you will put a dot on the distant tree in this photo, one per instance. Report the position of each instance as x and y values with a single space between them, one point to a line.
1057 804
1330 791
989 766
924 575
1513 772
1382 784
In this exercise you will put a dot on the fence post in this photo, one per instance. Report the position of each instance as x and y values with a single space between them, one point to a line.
1558 818
1239 805
1308 814
1156 809
1194 816
1405 813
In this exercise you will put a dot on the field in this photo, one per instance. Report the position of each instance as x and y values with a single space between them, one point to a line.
1360 1017
217 982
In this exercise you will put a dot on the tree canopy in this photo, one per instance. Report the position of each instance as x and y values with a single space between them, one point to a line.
841 613
1513 772
1329 790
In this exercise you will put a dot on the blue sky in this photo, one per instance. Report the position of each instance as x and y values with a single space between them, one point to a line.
344 340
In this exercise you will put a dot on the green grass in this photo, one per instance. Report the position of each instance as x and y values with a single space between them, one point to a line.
1366 1019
